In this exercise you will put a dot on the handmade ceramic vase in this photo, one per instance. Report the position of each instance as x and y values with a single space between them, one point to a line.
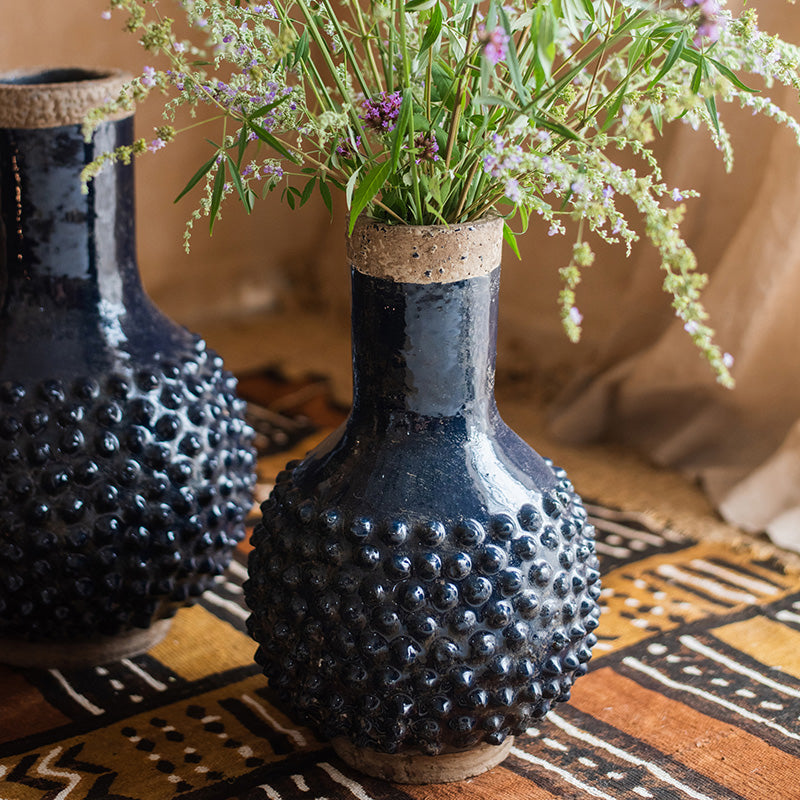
125 462
423 585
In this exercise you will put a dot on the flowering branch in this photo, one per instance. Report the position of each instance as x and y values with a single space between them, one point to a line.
442 111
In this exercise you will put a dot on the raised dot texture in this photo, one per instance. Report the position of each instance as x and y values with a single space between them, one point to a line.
486 608
113 506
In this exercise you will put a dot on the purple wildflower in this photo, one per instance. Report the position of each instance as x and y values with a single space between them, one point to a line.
427 147
512 190
156 144
149 77
105 15
347 148
710 30
381 113
676 195
495 44
273 170
709 26
575 315
267 9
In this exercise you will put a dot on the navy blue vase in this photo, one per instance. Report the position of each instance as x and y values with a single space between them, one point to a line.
126 468
423 582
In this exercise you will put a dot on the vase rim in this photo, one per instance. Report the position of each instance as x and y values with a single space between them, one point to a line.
426 253
50 97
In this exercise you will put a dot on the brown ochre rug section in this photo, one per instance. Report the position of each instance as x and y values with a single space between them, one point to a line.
693 691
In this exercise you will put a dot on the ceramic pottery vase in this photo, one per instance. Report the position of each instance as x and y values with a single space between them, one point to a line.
125 463
423 585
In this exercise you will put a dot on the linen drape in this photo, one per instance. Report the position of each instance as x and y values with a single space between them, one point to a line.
646 388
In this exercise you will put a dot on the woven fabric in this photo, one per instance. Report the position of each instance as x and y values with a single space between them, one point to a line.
693 692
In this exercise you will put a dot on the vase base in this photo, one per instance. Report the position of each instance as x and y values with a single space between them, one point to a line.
66 655
419 768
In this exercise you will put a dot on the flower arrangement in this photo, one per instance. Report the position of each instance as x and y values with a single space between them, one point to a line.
444 111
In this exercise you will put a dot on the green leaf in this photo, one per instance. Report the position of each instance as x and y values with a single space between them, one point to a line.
308 190
434 212
555 127
546 42
674 53
350 187
367 190
494 100
444 82
216 198
433 30
731 76
613 109
658 117
418 5
302 49
237 181
486 74
403 119
259 112
638 47
697 78
242 146
269 139
511 239
194 180
711 105
326 196
511 60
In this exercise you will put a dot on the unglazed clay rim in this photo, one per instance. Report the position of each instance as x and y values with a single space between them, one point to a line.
425 253
51 104
417 768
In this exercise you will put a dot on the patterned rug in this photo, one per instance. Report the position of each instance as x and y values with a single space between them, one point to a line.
693 690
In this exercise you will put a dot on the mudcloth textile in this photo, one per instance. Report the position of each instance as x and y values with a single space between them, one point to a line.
693 692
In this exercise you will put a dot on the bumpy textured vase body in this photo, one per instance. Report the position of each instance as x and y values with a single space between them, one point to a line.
423 580
126 468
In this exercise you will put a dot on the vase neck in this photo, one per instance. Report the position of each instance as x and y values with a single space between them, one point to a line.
425 349
77 246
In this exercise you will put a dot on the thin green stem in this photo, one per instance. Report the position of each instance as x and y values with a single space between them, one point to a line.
599 63
346 47
465 191
456 118
407 86
309 67
324 50
367 42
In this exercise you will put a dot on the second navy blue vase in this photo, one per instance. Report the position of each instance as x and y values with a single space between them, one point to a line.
424 585
126 466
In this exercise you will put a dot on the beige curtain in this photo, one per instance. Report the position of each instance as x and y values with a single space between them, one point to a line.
645 387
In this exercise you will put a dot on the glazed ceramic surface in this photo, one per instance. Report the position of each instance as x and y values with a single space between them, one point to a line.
125 463
423 580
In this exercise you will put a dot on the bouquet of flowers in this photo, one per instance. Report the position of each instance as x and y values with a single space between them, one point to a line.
444 111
